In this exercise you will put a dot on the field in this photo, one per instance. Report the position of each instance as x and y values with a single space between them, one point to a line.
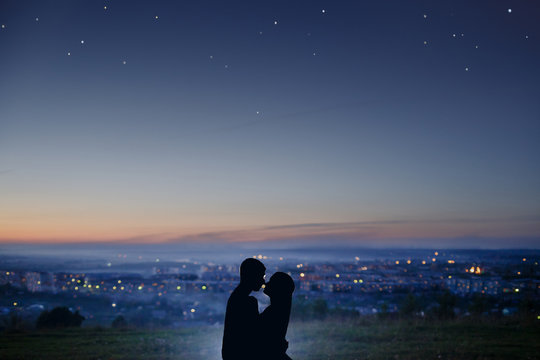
313 340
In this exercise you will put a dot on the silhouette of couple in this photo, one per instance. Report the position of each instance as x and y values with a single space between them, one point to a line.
248 334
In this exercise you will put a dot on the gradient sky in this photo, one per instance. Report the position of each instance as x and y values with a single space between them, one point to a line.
367 121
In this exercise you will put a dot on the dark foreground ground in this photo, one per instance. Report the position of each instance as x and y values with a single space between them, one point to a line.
358 339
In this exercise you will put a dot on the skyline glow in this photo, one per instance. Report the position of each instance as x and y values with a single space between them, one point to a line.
209 121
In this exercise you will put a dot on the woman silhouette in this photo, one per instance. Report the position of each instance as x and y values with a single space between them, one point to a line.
275 318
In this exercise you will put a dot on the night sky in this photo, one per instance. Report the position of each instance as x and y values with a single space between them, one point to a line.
367 122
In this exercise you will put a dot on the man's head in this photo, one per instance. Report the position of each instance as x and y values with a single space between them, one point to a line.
252 273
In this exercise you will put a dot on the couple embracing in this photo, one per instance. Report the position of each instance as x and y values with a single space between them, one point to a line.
248 334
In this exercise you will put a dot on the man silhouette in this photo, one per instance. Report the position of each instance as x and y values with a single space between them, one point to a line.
241 335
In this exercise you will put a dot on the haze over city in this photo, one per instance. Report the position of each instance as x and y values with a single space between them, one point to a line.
378 124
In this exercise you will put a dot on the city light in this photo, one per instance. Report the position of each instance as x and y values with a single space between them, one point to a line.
334 281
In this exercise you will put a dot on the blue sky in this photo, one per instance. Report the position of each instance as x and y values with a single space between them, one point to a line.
378 121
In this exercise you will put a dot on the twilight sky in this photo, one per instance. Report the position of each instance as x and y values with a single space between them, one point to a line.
368 122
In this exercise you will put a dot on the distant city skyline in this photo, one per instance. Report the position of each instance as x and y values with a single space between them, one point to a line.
383 123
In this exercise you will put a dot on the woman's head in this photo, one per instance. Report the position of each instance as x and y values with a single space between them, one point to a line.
280 285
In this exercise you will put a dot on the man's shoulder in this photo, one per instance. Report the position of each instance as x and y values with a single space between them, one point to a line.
252 300
237 298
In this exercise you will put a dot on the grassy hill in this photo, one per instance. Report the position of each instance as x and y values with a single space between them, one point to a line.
313 340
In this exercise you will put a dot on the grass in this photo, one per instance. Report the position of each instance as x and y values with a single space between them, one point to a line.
314 340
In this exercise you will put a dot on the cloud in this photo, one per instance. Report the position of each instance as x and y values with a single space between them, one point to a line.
399 232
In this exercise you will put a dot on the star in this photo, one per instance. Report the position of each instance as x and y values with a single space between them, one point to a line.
476 46
124 62
453 35
258 112
275 22
37 19
509 11
226 66
526 36
211 57
425 16
156 17
69 54
323 11
314 54
466 69
425 42
82 41
3 26
104 8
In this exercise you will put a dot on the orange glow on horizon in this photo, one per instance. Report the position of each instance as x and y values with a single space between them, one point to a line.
147 230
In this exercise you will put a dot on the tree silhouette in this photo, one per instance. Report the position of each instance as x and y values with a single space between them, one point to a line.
119 322
59 317
409 306
446 302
